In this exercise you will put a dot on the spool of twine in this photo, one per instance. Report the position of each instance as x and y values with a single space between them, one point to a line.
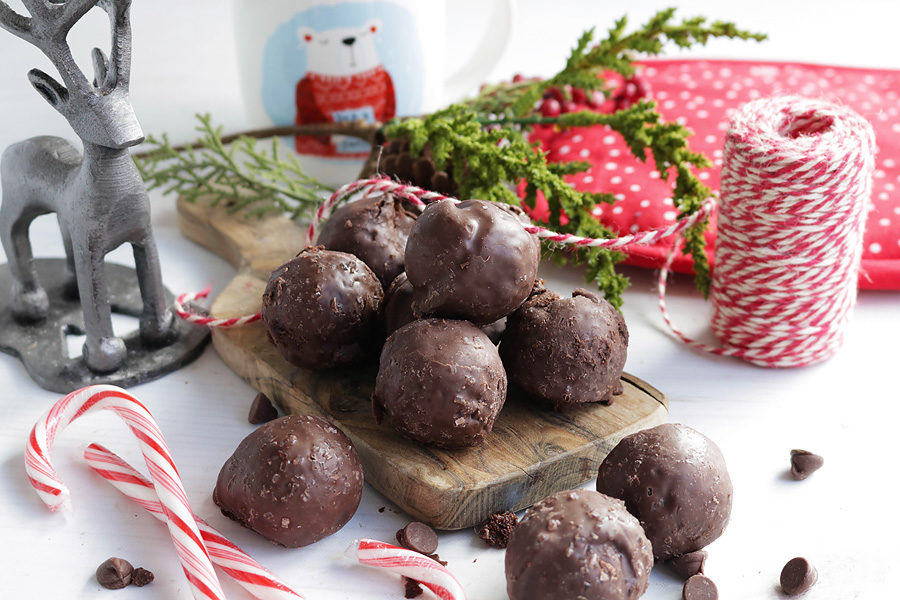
796 184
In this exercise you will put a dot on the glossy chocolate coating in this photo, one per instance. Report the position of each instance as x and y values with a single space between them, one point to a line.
578 544
374 230
321 309
674 480
398 310
471 260
566 351
294 481
440 382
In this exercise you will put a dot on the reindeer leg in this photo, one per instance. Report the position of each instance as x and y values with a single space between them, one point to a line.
103 352
71 287
157 319
29 300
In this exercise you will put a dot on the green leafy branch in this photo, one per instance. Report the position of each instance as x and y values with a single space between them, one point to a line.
240 175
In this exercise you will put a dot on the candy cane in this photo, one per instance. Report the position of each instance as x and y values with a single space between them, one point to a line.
248 573
430 573
182 527
421 197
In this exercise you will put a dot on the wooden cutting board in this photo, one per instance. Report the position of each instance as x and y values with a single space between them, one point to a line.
530 454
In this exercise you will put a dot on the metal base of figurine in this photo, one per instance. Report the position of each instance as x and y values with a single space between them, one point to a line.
43 349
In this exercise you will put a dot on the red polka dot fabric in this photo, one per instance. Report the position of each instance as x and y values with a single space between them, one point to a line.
702 95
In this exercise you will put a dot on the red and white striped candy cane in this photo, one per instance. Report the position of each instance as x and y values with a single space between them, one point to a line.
421 197
248 573
180 519
430 573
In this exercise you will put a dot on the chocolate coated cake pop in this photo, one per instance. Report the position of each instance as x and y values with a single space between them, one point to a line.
578 544
321 309
674 480
566 351
471 260
374 230
440 382
293 480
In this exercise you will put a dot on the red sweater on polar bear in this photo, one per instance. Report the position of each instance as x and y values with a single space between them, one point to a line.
344 81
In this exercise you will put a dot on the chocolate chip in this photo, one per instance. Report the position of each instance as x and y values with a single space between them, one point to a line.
413 588
418 537
700 587
141 577
797 576
690 564
261 410
496 530
805 463
114 573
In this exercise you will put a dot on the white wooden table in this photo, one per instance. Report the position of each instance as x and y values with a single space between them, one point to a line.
843 518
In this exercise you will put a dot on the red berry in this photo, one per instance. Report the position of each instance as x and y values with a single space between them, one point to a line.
554 94
518 78
569 107
579 96
551 107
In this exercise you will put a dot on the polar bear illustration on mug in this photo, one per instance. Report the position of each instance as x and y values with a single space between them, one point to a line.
344 81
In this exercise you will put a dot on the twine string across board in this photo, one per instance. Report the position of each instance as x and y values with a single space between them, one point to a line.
796 186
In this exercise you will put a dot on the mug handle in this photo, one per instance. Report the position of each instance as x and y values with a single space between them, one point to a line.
487 53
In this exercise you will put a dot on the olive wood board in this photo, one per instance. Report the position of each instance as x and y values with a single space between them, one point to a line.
530 454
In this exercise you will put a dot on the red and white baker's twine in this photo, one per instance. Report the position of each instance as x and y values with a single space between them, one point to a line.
170 495
244 570
421 197
796 184
428 572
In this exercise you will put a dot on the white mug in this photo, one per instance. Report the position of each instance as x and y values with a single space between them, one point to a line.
313 61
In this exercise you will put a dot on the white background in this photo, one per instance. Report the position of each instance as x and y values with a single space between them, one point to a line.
844 518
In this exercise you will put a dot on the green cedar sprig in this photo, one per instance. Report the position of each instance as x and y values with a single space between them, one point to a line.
242 175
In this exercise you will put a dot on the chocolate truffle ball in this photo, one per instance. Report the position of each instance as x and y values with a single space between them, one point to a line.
294 481
566 351
674 480
398 310
321 309
471 260
440 382
578 544
374 230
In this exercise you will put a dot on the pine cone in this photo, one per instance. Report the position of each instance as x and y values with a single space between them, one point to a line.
397 163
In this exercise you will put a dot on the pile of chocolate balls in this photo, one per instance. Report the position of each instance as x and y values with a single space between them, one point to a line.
436 292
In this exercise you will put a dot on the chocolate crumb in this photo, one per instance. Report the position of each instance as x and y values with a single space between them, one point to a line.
381 510
413 588
418 537
700 587
141 577
690 564
495 531
797 576
804 463
261 410
437 559
114 573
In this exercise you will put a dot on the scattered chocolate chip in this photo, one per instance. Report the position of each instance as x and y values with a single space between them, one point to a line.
690 564
261 410
418 537
797 576
805 463
114 573
413 588
141 577
700 587
495 531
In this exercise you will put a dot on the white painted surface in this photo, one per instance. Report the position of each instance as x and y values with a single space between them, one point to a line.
843 518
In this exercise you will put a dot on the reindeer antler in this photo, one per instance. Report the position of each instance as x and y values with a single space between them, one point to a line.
118 67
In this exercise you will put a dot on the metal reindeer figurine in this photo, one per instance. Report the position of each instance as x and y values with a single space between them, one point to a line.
99 198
